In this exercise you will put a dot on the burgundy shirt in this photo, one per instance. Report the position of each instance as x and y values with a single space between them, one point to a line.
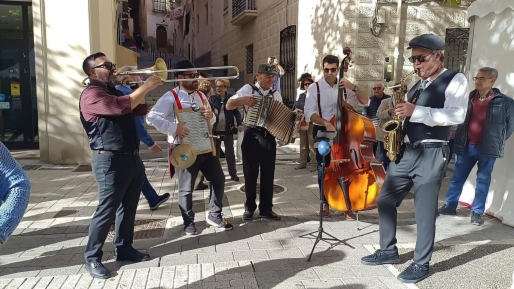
478 116
100 100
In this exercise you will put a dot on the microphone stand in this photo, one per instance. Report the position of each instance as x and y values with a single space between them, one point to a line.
320 231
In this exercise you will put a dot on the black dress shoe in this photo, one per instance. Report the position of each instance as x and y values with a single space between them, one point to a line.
381 257
131 255
235 178
414 273
201 186
247 215
270 216
98 270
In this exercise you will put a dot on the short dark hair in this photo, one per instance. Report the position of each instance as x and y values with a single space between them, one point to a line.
89 62
330 59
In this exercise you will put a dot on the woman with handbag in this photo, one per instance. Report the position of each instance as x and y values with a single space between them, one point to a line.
224 125
306 139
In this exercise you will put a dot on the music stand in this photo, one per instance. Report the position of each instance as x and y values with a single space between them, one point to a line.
324 149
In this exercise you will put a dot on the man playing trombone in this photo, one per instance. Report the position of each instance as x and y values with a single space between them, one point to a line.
162 117
108 119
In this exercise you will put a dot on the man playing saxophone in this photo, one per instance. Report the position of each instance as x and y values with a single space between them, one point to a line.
433 105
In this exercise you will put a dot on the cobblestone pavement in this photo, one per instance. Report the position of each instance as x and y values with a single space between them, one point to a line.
46 251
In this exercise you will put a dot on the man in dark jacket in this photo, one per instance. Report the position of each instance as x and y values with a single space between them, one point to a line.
489 117
225 125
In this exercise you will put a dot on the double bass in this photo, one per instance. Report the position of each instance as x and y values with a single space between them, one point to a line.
354 177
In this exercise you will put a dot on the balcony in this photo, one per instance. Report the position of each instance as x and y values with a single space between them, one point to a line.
243 11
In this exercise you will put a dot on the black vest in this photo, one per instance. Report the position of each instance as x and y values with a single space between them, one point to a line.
111 133
433 96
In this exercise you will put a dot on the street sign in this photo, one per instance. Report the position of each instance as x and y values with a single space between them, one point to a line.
5 105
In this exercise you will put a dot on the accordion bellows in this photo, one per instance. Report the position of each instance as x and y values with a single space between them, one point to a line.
275 117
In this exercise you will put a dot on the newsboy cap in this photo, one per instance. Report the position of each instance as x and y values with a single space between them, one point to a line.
267 69
427 41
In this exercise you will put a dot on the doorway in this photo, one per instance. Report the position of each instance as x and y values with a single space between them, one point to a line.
161 36
18 101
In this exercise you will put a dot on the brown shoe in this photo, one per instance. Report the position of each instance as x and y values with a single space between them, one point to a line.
350 215
301 166
326 210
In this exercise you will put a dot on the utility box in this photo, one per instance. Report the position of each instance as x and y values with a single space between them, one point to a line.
389 68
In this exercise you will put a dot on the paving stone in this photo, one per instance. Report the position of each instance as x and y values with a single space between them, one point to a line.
215 257
251 255
179 260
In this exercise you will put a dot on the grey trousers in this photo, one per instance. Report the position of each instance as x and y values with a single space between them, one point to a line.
230 157
210 166
424 169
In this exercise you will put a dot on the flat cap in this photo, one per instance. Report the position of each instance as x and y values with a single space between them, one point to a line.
427 41
267 69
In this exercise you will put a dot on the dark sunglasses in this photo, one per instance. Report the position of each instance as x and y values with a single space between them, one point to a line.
327 70
107 65
307 83
192 75
420 58
377 88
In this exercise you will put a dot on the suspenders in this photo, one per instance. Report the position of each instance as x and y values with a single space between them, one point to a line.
177 100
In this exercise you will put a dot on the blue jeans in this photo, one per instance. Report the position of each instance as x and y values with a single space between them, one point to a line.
148 191
465 162
383 154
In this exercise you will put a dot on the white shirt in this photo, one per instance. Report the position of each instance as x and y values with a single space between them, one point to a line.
454 110
246 90
162 114
328 101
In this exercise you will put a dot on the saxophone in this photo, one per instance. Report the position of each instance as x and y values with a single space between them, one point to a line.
393 139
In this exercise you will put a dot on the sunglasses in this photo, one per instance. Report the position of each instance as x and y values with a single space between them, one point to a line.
327 70
107 65
420 58
307 83
377 88
192 75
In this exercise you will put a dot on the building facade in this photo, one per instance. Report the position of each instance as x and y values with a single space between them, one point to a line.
42 50
245 33
157 29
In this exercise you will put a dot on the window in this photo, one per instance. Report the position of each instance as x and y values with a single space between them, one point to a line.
249 59
159 6
456 51
207 14
225 63
198 23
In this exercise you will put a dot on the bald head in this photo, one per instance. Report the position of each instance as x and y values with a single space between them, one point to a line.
378 89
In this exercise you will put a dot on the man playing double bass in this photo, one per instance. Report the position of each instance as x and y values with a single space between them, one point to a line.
434 104
321 106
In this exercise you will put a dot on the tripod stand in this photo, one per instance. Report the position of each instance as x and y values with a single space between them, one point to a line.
324 150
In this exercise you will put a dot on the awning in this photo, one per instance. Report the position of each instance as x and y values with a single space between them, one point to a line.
482 8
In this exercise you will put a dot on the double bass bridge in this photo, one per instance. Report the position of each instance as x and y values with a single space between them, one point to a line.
340 161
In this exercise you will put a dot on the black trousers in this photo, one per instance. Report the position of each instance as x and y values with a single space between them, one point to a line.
210 166
424 169
120 179
230 157
259 150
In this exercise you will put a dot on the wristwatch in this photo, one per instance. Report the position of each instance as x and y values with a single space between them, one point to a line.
355 88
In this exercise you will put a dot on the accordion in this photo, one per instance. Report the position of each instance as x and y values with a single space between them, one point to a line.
275 117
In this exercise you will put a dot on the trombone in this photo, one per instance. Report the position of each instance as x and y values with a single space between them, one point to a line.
160 69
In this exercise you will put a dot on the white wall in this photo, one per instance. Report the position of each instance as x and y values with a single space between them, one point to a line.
493 45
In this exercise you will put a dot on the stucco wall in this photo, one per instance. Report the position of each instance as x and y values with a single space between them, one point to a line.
263 32
60 49
492 45
351 27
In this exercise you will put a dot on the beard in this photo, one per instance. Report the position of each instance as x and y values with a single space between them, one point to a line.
193 85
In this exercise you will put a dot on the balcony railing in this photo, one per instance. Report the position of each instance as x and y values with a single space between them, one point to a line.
240 6
243 11
161 6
